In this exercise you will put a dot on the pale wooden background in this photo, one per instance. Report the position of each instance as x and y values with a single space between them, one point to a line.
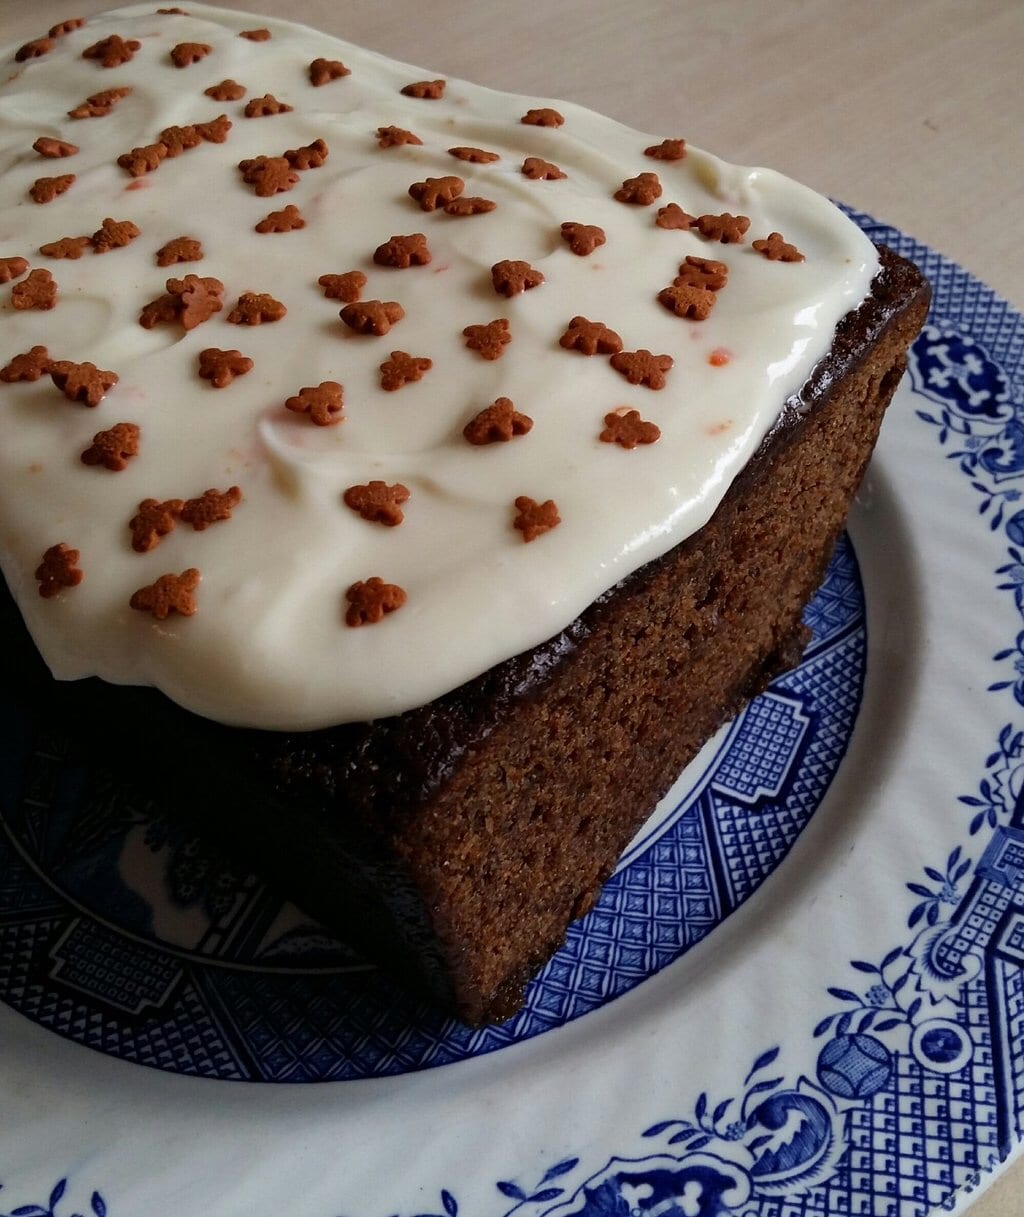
909 109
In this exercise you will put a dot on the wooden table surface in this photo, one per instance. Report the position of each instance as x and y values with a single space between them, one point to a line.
906 109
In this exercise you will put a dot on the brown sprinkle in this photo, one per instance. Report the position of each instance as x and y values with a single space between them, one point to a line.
642 367
253 308
153 521
394 137
66 27
269 175
590 338
370 601
187 53
776 249
221 367
12 268
497 424
99 105
488 340
428 89
113 448
627 429
282 221
512 277
403 252
641 190
169 594
226 90
535 519
260 35
262 107
190 301
401 369
667 150
34 49
180 249
211 507
46 189
673 216
28 366
323 71
703 272
476 156
346 287
543 117
372 316
66 247
434 192
540 170
469 205
47 146
688 300
58 570
113 51
216 130
324 403
582 239
726 228
309 156
180 139
378 502
113 234
39 290
142 160
83 382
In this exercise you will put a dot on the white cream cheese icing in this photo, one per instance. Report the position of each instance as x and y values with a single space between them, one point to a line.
268 645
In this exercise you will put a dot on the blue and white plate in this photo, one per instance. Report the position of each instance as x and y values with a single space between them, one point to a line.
849 1041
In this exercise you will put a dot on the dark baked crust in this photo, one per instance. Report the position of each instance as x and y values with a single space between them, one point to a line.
459 840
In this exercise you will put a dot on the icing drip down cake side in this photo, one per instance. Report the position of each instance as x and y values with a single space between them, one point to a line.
437 511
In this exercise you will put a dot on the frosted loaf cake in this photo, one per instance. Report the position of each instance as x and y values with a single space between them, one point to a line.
370 416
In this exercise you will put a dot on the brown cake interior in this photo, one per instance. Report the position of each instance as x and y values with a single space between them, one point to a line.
458 841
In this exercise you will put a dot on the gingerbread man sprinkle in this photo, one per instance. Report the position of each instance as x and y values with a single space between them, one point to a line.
226 90
113 234
497 424
253 308
143 160
210 507
687 300
703 272
590 338
83 382
641 190
28 366
346 287
45 145
269 175
370 601
534 519
510 277
402 369
66 247
169 594
489 340
309 156
323 71
221 367
475 156
582 239
324 403
191 301
430 90
113 51
153 521
58 570
46 189
113 448
39 290
726 228
68 26
261 107
469 205
378 502
282 221
642 367
187 53
180 249
260 35
216 130
434 192
403 252
33 50
395 137
540 170
12 268
180 139
667 150
372 316
775 249
626 428
99 105
543 117
673 216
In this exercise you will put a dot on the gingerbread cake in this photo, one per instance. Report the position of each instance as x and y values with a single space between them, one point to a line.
413 531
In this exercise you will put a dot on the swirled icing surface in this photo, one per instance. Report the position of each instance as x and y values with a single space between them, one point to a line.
268 645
